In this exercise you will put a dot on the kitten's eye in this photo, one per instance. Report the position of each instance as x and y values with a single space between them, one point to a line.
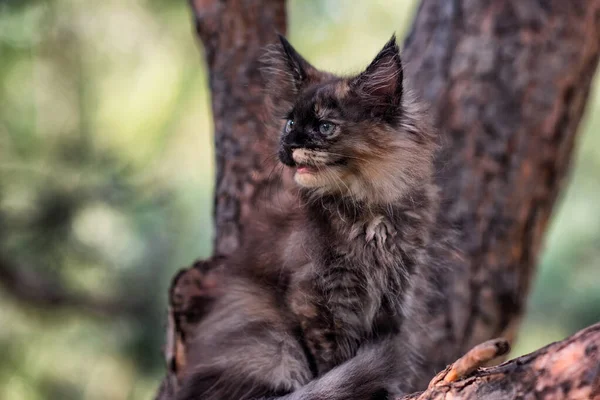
326 128
289 125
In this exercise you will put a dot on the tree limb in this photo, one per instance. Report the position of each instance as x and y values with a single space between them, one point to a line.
569 369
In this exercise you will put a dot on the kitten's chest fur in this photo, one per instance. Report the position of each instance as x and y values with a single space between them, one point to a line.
354 284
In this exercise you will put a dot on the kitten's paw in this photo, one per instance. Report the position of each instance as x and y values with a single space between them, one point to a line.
379 229
196 288
475 358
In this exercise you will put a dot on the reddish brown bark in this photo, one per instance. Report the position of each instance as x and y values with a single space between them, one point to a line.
233 33
508 82
569 369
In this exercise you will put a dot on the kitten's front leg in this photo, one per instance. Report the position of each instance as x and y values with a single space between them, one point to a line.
374 373
349 288
335 307
315 321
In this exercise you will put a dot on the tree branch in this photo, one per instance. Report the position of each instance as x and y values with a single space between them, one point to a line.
569 369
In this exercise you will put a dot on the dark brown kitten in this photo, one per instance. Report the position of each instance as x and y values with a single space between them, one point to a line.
321 302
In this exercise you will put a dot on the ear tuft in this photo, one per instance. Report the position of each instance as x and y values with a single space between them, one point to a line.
285 73
296 63
383 77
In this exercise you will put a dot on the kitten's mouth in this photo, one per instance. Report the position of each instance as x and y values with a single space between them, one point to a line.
306 169
313 169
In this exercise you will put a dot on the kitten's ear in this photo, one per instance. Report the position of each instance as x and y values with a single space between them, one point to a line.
383 77
286 72
299 69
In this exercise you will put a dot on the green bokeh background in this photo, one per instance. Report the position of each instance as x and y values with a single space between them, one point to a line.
106 182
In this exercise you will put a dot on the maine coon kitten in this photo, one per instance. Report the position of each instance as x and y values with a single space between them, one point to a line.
321 301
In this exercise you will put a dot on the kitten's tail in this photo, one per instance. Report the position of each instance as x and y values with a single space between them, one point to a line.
373 374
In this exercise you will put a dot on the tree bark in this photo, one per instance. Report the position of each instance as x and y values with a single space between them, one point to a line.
569 369
233 33
507 82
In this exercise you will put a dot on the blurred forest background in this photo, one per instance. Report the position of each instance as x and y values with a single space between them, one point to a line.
106 182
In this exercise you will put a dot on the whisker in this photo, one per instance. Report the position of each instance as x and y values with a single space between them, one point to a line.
329 175
345 155
348 191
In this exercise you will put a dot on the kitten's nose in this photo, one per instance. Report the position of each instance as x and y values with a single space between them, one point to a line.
285 155
290 142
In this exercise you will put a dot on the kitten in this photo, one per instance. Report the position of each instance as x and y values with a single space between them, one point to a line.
324 299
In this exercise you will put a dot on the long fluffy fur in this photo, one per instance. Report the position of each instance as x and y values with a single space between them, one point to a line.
326 298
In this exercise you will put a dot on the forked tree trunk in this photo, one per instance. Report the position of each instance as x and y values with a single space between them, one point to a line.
507 81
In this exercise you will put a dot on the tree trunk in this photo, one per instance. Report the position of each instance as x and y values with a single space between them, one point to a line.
507 82
233 33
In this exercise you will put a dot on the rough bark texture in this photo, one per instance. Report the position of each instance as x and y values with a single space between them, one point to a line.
569 369
507 80
233 33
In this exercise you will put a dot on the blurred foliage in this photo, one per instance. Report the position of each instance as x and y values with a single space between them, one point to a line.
106 179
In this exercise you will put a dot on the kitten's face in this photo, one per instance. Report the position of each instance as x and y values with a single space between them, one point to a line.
346 135
328 136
